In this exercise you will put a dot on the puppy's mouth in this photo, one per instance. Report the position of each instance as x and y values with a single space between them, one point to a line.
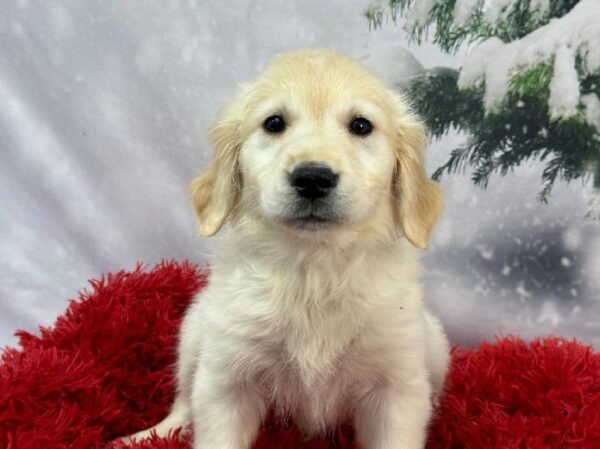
310 222
312 218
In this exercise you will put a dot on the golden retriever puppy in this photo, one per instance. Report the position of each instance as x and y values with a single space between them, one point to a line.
314 306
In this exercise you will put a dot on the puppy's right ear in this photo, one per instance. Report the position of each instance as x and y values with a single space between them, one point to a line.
419 199
216 191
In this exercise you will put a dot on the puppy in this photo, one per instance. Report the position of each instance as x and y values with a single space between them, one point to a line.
314 306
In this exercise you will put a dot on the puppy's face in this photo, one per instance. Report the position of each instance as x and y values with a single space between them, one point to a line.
317 144
315 155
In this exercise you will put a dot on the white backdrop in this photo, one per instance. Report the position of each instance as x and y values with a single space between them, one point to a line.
103 111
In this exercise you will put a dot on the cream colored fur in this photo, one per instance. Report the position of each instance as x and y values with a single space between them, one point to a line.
320 324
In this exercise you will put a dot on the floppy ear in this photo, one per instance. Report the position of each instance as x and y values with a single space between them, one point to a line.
216 192
419 199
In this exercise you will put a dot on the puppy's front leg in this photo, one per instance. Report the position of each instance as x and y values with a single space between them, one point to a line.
394 417
225 417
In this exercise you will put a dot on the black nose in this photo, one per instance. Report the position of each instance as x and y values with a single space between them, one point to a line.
313 181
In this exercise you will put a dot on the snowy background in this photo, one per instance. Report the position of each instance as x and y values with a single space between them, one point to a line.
103 117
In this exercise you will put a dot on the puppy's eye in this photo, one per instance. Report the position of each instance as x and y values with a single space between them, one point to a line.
274 124
360 126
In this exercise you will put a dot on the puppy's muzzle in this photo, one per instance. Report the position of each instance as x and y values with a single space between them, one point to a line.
313 181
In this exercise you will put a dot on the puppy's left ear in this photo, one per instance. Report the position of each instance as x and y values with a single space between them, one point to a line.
216 192
419 199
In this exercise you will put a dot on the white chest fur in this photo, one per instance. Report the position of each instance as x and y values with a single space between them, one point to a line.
309 332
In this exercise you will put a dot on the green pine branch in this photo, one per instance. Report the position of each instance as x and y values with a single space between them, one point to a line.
516 23
520 129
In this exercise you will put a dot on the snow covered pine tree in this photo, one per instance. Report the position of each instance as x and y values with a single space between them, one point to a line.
529 87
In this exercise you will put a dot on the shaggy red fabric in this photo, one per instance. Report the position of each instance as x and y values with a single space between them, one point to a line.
105 370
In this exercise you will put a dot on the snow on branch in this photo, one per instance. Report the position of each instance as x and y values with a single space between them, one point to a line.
494 10
419 12
494 62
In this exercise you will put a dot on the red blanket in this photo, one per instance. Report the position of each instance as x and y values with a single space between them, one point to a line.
104 370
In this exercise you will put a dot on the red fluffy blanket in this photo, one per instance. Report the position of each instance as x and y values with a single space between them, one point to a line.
104 370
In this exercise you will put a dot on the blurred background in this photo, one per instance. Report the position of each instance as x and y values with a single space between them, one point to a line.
105 106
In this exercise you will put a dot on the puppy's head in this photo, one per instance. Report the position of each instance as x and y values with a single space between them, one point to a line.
316 145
